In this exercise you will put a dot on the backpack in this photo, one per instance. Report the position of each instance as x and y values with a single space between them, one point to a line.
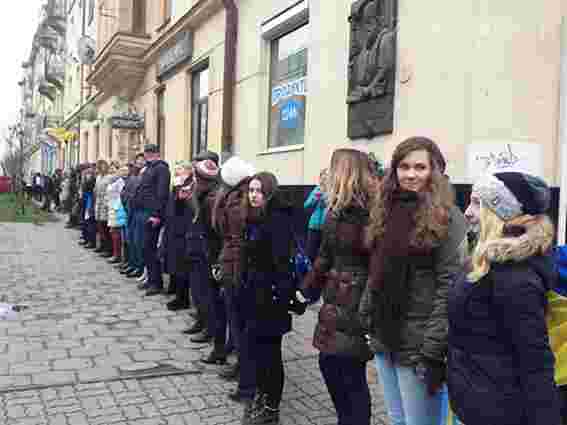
557 316
300 262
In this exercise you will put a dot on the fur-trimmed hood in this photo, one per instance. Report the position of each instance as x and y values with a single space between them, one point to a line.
521 242
530 244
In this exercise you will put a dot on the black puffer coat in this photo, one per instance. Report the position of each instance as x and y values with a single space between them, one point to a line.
500 365
267 285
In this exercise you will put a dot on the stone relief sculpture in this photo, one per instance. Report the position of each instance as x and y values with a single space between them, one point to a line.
372 67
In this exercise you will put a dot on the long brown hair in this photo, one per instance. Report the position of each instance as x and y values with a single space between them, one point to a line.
432 216
348 180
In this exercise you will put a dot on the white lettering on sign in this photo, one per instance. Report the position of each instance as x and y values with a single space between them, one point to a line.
292 88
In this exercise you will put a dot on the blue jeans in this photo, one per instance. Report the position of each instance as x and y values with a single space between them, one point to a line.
406 396
136 228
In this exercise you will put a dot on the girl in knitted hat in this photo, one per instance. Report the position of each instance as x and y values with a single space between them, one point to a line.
500 365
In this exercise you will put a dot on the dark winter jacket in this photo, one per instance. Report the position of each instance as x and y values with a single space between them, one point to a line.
153 191
342 271
201 238
230 225
267 286
500 365
424 326
129 191
178 222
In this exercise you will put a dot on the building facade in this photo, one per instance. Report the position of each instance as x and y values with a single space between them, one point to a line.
278 81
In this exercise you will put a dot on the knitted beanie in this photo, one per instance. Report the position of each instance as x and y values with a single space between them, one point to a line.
235 170
512 194
204 155
207 169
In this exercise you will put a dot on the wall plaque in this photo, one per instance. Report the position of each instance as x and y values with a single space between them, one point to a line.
178 51
372 68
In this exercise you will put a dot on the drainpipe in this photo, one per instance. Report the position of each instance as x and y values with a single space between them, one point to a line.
229 78
562 219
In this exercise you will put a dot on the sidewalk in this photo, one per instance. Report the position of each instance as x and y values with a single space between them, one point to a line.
92 350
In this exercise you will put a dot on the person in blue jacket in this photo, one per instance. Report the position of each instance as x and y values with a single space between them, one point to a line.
265 292
500 364
317 200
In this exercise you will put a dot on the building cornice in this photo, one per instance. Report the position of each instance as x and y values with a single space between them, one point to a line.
193 18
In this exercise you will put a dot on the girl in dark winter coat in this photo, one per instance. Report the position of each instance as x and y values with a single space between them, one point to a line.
341 269
266 290
417 239
229 222
178 220
500 365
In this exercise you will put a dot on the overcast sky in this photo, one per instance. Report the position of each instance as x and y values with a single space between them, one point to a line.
18 23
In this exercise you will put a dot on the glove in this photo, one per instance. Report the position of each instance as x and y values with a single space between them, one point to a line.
431 373
297 304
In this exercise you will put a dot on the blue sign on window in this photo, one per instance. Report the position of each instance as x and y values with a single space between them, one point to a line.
289 114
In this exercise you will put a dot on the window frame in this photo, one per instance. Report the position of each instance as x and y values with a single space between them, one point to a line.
197 105
160 118
272 62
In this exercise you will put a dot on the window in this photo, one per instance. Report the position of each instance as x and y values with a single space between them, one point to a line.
109 133
97 142
288 88
139 21
91 10
161 119
200 111
166 7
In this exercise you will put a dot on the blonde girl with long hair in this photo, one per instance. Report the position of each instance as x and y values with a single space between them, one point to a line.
340 272
500 365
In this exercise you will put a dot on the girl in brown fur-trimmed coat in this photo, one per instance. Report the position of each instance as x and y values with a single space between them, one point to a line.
341 272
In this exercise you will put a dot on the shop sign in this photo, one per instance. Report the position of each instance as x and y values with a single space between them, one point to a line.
178 52
289 113
291 88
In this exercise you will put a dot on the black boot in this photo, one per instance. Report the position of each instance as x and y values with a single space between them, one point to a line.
253 407
265 416
230 372
196 328
202 337
215 357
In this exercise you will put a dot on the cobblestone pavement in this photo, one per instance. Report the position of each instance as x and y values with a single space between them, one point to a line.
91 349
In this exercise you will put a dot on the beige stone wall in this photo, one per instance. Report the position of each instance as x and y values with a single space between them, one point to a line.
477 71
471 74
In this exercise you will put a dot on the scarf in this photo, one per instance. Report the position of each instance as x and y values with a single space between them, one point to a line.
390 268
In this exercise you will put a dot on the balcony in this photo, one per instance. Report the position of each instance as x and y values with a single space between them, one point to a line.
47 90
119 67
55 72
47 38
55 16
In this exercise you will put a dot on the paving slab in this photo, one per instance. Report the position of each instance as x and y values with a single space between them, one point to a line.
91 349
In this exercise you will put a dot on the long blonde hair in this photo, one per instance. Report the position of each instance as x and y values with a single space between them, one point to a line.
348 179
494 246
